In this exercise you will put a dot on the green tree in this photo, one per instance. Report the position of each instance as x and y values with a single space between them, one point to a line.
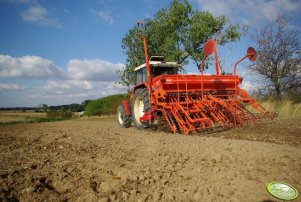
177 32
85 103
75 107
279 61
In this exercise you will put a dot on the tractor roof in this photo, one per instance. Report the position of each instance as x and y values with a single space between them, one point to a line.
159 64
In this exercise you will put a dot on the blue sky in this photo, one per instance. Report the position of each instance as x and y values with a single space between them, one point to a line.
62 52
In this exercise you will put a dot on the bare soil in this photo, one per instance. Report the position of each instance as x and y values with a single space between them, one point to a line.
95 160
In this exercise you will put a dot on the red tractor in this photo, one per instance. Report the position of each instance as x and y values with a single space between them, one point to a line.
188 102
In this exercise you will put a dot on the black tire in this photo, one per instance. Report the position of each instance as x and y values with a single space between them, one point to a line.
124 121
140 96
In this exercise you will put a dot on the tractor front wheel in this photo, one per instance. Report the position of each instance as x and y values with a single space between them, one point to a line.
124 121
139 107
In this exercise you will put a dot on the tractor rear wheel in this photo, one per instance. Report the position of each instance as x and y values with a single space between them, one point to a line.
124 121
140 106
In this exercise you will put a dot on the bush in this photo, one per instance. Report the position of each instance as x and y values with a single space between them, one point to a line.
53 114
105 105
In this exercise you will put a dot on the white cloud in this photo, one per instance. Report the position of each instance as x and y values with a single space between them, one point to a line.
251 12
80 80
70 96
94 69
110 88
251 81
38 14
11 87
104 15
68 84
28 67
53 94
40 68
73 95
247 85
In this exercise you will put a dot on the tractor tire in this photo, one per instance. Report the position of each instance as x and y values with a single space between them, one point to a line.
139 107
124 121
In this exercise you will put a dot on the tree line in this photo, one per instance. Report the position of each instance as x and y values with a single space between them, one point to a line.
74 107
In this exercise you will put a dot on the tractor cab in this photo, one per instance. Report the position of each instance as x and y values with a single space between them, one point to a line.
158 67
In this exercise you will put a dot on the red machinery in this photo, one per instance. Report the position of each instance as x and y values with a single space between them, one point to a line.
188 102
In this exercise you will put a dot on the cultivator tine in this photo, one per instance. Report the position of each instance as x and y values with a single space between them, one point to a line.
191 113
169 120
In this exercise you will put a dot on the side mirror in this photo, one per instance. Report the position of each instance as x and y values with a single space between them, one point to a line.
209 47
251 53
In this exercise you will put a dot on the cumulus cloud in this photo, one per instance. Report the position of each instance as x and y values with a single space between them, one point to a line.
251 12
68 84
104 15
70 96
251 81
95 69
11 87
61 96
78 81
40 68
110 88
247 85
70 91
38 14
28 67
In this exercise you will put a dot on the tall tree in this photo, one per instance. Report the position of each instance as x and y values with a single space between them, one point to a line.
177 32
278 59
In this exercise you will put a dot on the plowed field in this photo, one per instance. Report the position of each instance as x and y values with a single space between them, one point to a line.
95 160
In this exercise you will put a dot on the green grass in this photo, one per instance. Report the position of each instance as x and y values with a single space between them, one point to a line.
51 116
284 108
37 120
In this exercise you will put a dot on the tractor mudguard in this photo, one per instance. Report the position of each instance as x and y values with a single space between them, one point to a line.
126 106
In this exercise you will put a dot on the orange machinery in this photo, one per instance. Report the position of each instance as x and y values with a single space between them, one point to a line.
188 102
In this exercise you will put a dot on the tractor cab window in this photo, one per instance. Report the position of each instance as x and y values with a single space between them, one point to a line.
156 71
141 76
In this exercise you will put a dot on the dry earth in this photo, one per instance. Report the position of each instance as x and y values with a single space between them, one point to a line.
94 160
